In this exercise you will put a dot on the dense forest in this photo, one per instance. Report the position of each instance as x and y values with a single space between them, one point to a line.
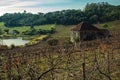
93 13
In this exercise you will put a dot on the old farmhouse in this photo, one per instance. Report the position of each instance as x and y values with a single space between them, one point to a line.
85 31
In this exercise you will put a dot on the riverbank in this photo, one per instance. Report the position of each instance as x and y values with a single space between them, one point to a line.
22 40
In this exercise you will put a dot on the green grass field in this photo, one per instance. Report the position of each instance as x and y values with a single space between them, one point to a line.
62 30
24 28
113 25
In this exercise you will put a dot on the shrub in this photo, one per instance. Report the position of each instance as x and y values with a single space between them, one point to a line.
15 32
6 30
105 26
66 41
76 39
53 42
12 46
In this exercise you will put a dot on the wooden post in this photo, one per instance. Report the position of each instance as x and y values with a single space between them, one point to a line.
84 75
83 67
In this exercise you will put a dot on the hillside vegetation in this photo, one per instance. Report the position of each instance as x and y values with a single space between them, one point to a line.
53 56
93 13
62 30
92 60
24 28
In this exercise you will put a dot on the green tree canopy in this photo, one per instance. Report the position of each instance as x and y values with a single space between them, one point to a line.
93 12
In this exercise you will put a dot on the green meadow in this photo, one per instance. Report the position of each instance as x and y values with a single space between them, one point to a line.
61 30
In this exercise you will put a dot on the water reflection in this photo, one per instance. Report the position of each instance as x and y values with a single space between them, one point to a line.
16 41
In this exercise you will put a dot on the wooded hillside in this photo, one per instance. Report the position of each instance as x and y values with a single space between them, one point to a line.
94 13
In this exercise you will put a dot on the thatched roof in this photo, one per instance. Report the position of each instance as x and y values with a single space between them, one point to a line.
84 26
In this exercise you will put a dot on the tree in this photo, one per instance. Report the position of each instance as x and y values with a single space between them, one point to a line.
52 30
1 31
93 12
7 31
16 32
31 27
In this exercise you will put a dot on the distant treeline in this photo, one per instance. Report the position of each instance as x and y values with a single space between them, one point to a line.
93 13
